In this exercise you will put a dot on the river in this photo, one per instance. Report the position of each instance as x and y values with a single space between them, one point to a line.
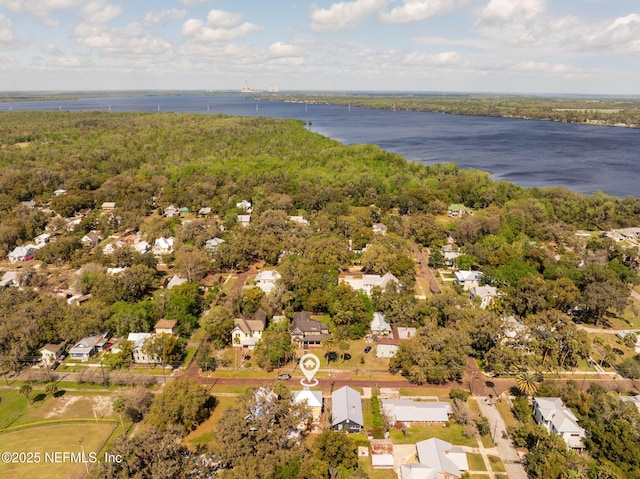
583 158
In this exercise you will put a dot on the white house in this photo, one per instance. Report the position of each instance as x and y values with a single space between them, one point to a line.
558 419
486 294
379 229
42 239
171 211
299 219
266 280
468 279
437 459
408 411
163 246
244 220
388 347
52 352
10 280
247 332
313 400
367 282
245 205
212 244
378 326
138 340
92 238
21 253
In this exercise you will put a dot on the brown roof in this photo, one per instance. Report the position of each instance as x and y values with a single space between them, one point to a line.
53 348
302 321
248 326
165 324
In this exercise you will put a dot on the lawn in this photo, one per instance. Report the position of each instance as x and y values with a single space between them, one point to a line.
496 464
54 438
476 463
204 433
450 433
506 414
364 463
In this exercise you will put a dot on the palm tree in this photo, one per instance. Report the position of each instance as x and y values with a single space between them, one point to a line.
25 390
527 382
51 388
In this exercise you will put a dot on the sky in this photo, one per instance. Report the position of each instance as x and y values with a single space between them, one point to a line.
499 46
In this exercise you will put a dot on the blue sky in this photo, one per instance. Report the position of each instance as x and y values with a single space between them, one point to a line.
511 46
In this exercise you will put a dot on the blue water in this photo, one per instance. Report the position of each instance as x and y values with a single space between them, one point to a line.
529 153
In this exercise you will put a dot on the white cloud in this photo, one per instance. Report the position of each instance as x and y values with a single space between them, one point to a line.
156 17
623 32
192 2
100 12
541 67
498 12
222 19
128 41
6 30
416 10
66 62
40 8
281 49
51 49
438 59
343 14
221 27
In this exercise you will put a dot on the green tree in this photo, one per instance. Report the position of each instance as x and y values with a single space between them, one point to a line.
527 383
258 435
275 347
338 450
51 389
25 390
183 403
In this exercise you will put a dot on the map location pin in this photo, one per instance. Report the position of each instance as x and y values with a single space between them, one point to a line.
309 364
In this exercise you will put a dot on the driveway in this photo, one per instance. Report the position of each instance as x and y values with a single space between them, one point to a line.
506 451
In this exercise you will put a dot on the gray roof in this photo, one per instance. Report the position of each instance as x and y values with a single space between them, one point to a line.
406 410
442 456
346 404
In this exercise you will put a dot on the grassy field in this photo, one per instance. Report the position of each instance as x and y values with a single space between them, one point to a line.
450 433
364 463
204 433
53 438
496 464
507 416
44 424
476 463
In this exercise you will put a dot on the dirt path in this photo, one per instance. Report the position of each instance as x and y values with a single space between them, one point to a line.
425 272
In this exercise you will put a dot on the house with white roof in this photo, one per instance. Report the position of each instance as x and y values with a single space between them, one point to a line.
299 219
408 411
266 280
244 220
313 400
437 459
378 326
21 253
379 229
346 410
486 294
468 279
367 282
42 239
137 340
92 238
176 280
212 244
163 246
10 280
558 419
245 205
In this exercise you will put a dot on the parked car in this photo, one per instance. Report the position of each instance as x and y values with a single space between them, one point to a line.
284 376
55 365
367 349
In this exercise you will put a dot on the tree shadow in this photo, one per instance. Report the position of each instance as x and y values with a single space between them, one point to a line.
59 393
38 397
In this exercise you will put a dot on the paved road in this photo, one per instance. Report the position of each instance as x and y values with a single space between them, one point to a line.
509 455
